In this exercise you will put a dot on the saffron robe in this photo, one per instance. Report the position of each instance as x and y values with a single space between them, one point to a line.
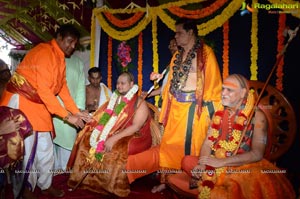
109 175
261 179
44 69
176 143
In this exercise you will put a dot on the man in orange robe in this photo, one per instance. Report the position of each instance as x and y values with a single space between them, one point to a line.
231 164
33 89
190 96
127 131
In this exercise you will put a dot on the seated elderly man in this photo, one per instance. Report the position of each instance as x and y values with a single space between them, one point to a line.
231 163
98 159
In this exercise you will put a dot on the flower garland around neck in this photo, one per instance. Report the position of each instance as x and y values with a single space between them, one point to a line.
107 122
224 148
182 68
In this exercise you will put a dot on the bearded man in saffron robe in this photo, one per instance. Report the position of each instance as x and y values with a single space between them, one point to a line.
231 163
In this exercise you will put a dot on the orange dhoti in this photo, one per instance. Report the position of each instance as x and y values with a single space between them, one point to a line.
257 180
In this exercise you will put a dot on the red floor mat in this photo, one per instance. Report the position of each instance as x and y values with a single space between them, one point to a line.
140 189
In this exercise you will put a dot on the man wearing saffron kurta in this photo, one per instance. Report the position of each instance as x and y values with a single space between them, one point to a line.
121 128
231 163
66 133
33 89
190 97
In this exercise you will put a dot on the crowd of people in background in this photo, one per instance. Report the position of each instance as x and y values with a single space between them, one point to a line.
57 122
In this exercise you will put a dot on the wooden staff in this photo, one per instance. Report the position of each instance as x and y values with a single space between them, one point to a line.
279 58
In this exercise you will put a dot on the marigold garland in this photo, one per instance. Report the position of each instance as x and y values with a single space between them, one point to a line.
125 23
254 44
140 61
166 19
93 33
152 13
225 49
280 46
155 50
144 9
224 148
220 19
125 34
109 63
197 14
107 121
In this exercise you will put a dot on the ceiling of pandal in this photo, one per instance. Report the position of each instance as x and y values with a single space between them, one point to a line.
24 23
28 22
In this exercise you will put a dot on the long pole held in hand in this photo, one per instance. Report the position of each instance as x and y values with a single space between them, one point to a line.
279 58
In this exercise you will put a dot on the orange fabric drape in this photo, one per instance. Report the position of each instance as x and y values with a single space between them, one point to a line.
109 63
140 62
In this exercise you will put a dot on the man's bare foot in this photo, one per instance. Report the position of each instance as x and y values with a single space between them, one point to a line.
27 194
51 191
158 188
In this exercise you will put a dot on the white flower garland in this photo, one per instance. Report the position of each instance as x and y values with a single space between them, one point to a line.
112 120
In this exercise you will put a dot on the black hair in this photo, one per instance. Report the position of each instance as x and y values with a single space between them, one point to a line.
94 70
188 24
67 30
4 73
2 64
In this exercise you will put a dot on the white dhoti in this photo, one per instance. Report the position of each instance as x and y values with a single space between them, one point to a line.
41 171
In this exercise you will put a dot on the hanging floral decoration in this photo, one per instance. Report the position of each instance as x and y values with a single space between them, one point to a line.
219 20
107 122
93 33
126 29
225 50
140 61
155 51
280 46
124 55
254 44
124 23
197 14
109 63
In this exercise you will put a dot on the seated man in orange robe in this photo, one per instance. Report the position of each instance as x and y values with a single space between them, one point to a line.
98 159
231 163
